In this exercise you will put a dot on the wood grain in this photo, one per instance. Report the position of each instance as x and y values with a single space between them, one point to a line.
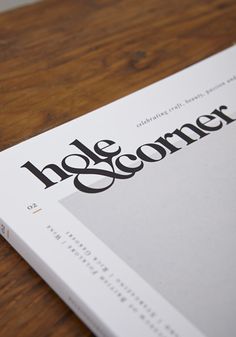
61 59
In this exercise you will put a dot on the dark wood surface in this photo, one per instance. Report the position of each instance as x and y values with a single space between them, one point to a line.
60 59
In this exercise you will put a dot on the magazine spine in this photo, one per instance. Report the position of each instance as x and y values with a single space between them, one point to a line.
75 303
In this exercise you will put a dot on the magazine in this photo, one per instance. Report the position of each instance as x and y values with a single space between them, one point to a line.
128 212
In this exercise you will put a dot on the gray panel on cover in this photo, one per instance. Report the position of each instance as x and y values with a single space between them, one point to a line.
174 223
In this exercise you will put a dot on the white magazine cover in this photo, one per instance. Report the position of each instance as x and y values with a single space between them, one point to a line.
129 212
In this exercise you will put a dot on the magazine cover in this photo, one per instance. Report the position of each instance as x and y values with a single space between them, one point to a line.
128 212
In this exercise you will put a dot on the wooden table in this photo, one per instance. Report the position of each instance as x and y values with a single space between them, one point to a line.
60 59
